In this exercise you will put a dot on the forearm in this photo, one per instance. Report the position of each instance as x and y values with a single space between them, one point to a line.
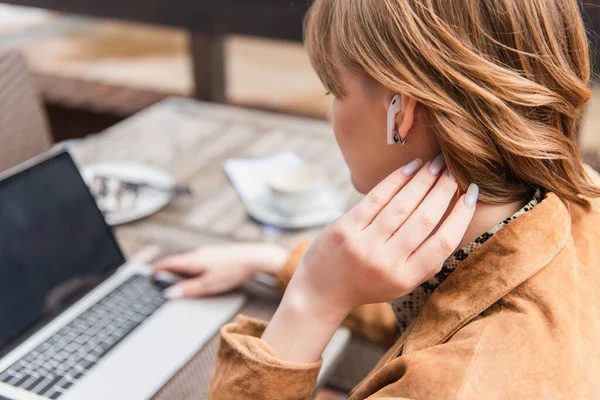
373 322
302 327
268 258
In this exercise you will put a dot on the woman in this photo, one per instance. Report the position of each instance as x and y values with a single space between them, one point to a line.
496 88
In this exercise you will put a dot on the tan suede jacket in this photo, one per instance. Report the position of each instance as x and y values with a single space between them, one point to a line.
518 319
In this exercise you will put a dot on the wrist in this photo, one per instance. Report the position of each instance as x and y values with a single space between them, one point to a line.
268 258
302 327
313 307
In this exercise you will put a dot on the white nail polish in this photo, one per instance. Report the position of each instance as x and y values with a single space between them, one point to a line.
472 195
437 165
411 168
174 292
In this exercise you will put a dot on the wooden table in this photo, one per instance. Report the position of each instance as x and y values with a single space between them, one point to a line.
191 140
208 21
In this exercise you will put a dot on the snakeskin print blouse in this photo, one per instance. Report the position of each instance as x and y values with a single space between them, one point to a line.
408 307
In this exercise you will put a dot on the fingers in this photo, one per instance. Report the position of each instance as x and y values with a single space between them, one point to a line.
429 258
370 206
184 264
190 288
400 208
426 217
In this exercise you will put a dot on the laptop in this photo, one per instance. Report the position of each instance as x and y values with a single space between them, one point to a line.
76 320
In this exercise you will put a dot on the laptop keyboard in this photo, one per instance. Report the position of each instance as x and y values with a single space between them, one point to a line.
65 357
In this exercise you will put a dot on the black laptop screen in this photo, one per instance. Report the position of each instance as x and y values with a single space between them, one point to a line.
54 245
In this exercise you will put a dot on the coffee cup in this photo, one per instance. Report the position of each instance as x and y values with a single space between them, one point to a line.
296 189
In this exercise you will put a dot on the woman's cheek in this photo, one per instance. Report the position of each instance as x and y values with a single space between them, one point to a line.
337 125
342 124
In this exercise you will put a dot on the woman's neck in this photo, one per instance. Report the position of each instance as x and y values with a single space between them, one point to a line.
486 217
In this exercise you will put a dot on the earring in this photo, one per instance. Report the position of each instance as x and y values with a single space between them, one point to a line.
398 140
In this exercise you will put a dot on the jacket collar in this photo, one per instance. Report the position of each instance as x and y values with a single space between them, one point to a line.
507 259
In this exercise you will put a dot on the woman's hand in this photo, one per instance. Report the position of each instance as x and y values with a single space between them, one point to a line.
215 269
380 250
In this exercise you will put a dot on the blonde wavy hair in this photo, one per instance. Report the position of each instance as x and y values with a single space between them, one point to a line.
503 82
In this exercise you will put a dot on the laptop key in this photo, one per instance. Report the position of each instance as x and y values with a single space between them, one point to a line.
49 386
8 378
22 380
77 376
39 383
66 385
27 383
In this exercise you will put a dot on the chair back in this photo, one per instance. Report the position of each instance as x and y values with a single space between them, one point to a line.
24 129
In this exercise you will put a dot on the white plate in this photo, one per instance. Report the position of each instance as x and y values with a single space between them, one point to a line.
147 202
327 208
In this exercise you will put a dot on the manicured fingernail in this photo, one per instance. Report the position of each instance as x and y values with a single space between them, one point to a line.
436 165
174 292
472 195
411 168
451 175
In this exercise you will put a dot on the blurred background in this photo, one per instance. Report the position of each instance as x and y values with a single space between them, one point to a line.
94 64
93 72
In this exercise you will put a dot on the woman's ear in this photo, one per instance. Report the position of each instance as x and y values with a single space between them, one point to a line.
394 108
406 117
400 118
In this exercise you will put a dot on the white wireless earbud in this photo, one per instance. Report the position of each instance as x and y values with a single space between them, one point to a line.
395 108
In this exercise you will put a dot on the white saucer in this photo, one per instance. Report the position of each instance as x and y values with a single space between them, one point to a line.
328 207
145 202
